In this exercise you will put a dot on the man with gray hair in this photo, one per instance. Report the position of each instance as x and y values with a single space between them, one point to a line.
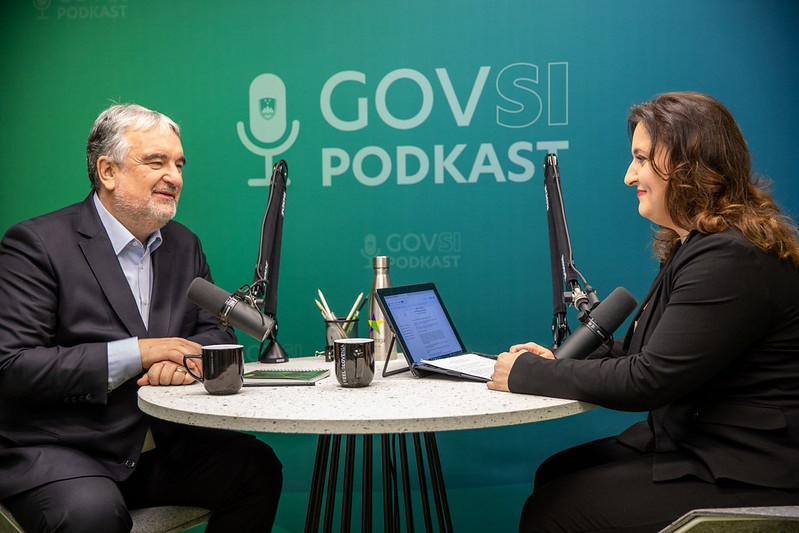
94 307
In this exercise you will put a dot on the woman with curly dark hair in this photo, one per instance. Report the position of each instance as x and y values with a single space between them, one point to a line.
712 354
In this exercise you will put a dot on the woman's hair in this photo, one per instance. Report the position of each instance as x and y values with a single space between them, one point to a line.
710 184
107 137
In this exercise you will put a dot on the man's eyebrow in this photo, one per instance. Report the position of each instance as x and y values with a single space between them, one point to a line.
154 156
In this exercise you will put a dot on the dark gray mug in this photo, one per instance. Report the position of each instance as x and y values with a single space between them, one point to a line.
223 368
354 360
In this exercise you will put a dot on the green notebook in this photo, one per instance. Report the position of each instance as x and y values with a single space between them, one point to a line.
260 378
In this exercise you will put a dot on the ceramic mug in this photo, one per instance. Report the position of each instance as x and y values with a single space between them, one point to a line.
223 368
354 360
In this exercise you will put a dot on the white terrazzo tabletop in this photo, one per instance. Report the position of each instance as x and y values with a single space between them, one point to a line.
395 404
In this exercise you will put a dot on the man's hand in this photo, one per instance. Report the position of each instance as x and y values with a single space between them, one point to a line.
163 360
505 360
167 349
165 373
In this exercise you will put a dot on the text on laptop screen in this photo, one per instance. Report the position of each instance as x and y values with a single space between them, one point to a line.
423 325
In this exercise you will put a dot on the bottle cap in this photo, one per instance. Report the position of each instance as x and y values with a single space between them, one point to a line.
380 261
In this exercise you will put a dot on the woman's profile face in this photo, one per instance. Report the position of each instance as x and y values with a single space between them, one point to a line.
650 186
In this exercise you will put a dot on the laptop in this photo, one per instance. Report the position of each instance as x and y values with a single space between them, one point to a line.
428 338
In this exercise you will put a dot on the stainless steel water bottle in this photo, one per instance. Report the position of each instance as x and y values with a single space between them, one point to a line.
378 328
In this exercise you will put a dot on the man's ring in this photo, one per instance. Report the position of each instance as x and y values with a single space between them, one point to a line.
180 369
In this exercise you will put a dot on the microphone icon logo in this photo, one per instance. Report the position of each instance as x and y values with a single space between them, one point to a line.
42 6
267 123
268 108
370 249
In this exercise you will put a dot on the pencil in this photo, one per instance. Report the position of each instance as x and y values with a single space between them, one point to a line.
331 317
324 302
354 306
325 313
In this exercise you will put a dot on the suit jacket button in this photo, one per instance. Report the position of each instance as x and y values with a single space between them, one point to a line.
130 463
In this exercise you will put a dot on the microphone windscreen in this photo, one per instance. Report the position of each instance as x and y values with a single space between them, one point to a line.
614 310
207 295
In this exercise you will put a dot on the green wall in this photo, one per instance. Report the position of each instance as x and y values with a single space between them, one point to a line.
422 127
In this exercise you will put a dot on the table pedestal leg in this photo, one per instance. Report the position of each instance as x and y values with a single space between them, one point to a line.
437 478
327 470
417 446
331 484
366 499
317 484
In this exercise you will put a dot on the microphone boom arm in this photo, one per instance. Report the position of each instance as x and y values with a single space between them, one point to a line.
267 267
566 288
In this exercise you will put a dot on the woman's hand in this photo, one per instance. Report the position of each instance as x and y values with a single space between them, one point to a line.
499 379
505 360
532 347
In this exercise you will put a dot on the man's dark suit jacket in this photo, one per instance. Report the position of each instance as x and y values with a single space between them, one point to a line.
713 354
63 297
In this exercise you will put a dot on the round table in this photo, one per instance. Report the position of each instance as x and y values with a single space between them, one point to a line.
399 403
393 407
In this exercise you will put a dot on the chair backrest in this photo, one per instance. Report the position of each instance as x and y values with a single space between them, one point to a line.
7 522
165 519
738 520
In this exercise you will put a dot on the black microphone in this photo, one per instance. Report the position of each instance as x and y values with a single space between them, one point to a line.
229 309
598 328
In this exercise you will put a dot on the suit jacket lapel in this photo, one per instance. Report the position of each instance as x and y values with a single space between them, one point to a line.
163 283
634 339
99 253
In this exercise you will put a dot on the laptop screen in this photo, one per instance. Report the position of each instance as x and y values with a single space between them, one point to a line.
421 321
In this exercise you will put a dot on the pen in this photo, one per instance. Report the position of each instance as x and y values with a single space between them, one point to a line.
361 306
357 312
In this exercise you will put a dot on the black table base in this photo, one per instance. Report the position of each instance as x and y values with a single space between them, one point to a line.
397 515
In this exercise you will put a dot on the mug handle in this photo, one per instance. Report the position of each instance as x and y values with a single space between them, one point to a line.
192 374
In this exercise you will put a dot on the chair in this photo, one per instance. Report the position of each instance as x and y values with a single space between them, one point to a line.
738 520
166 519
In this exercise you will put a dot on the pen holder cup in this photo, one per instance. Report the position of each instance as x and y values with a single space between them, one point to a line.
340 328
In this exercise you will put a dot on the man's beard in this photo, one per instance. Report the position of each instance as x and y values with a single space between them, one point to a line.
146 213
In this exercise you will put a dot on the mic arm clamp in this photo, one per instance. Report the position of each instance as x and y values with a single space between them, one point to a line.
243 293
583 301
230 303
